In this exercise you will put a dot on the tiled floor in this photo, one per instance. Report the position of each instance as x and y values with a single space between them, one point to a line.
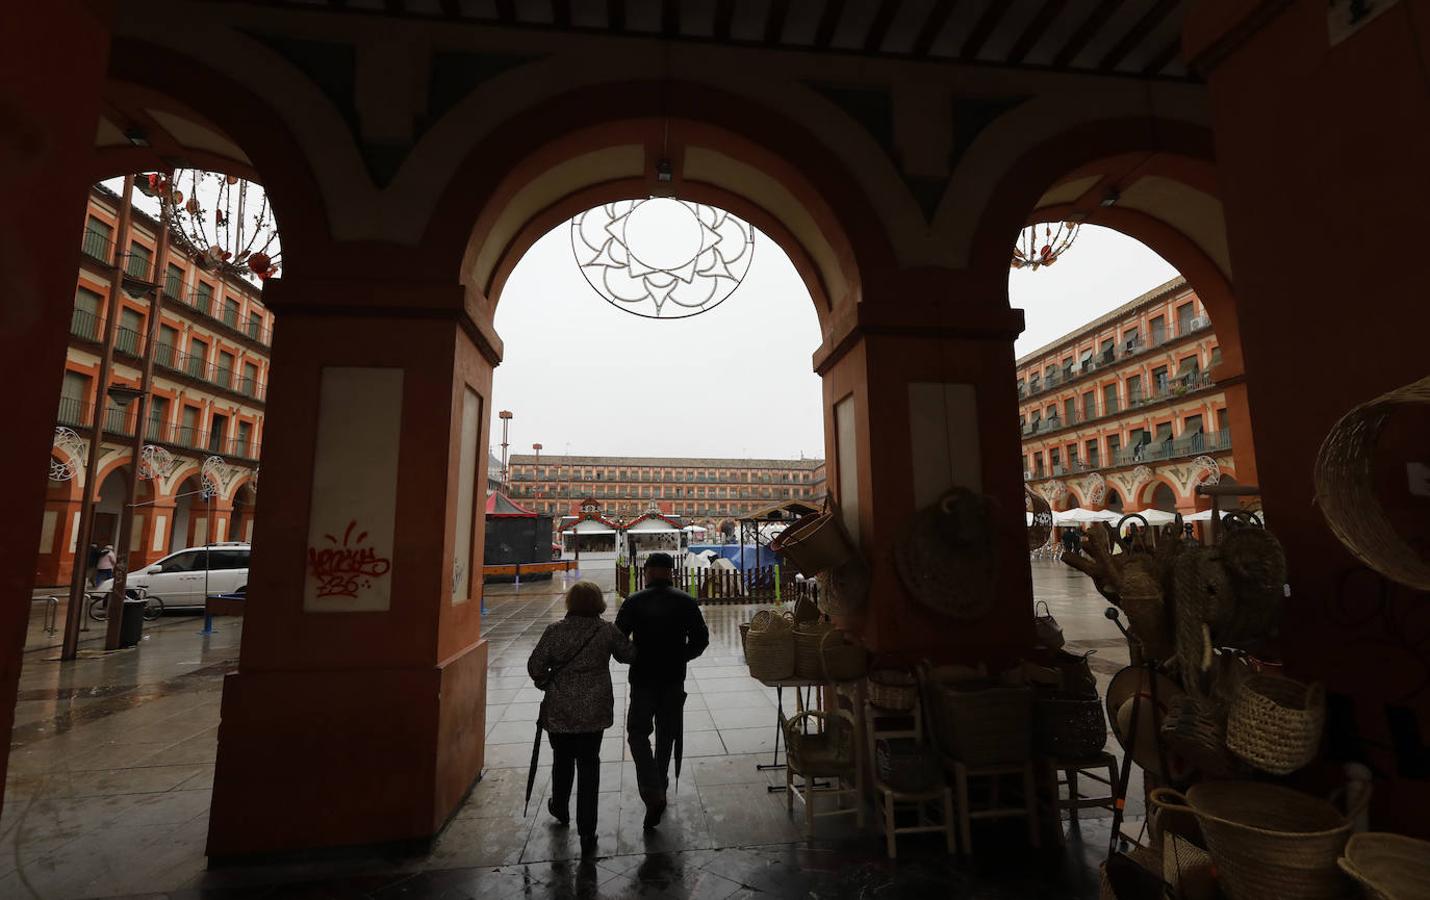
112 766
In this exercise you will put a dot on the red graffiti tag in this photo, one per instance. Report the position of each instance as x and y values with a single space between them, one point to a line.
348 567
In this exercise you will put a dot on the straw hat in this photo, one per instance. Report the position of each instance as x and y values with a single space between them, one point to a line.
1131 687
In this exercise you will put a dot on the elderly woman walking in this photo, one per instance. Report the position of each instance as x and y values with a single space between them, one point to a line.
570 663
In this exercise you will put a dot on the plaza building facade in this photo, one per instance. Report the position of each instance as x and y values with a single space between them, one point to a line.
711 492
1123 413
210 365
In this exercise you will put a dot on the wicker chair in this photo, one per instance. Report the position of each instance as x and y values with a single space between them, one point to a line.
831 753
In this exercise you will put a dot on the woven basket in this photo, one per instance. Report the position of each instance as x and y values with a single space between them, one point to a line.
947 557
1275 723
844 588
816 543
1188 870
892 689
979 725
808 662
1041 531
1195 729
1068 726
840 660
1267 841
1345 488
905 766
769 647
1388 866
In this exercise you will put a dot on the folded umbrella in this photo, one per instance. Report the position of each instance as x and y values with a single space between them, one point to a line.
679 737
535 756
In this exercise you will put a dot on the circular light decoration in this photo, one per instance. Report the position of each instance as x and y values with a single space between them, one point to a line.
1032 251
68 446
223 222
155 462
662 258
214 474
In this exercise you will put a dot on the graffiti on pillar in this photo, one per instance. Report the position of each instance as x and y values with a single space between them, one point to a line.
347 567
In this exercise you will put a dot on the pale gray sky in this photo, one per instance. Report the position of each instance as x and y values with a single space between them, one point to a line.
583 377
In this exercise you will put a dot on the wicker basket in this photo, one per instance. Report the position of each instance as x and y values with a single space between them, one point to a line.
1041 531
892 689
769 647
1345 488
808 662
978 724
844 588
1195 729
1275 723
1267 841
1068 726
841 660
1188 870
1388 866
905 766
816 543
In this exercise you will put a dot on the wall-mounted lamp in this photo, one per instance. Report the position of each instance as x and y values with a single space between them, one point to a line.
123 394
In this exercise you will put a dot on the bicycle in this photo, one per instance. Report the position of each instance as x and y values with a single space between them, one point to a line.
99 604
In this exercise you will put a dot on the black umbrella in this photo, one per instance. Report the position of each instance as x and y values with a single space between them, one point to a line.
679 737
535 755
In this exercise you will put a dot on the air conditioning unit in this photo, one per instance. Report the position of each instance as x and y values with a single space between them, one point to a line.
1201 322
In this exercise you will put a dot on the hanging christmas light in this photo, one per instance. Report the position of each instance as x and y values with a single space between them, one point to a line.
1032 250
223 222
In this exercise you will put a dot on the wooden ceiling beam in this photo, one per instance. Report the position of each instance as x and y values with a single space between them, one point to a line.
933 25
775 21
828 22
983 29
879 26
1164 57
1129 41
1035 30
1085 32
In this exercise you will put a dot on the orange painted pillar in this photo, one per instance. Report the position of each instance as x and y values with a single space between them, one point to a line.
357 714
918 399
50 85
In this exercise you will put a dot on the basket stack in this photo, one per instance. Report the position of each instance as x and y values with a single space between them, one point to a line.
1068 726
1275 723
892 689
981 723
840 659
769 647
1388 866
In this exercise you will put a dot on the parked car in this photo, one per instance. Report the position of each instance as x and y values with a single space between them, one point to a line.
181 579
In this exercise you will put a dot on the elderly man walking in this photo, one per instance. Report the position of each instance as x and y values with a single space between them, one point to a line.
668 630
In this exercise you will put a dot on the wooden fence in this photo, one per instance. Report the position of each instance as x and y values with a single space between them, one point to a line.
769 584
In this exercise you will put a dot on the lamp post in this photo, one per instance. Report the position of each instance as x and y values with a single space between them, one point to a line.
536 472
505 416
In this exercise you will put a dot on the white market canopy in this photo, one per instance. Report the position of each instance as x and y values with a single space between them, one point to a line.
590 526
695 529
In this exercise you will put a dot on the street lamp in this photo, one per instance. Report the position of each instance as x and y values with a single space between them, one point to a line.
505 416
536 471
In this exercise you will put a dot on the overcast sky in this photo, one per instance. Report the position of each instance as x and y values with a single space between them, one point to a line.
583 377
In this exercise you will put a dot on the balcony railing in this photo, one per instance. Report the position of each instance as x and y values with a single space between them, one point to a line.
1107 358
84 324
127 340
97 245
194 366
204 304
1179 448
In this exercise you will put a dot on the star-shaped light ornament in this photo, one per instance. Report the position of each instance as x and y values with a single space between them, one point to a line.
662 258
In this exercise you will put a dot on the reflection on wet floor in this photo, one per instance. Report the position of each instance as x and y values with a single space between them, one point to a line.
112 767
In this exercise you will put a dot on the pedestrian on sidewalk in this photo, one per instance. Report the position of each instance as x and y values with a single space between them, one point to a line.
104 567
91 564
570 663
668 631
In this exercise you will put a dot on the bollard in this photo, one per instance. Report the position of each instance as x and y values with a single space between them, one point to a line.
52 614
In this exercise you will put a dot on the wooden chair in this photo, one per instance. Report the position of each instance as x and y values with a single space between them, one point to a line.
830 753
1060 773
887 798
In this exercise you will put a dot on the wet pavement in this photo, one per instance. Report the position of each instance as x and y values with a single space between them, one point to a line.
112 768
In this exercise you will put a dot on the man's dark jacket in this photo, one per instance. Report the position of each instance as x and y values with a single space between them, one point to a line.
668 631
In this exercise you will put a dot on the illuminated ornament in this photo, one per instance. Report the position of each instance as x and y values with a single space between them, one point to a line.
240 228
155 462
64 460
662 258
1032 251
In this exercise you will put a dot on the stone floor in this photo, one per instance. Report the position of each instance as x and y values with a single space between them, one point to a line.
112 766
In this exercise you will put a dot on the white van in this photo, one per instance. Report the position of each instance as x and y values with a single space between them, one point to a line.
182 578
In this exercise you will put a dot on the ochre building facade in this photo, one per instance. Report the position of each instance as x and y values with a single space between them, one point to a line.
209 392
1124 413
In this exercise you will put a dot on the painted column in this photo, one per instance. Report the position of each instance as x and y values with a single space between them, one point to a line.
358 707
919 398
50 90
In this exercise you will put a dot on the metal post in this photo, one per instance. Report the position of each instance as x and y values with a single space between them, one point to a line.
505 416
79 576
146 381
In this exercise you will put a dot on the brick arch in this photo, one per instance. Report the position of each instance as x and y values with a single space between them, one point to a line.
603 143
1145 492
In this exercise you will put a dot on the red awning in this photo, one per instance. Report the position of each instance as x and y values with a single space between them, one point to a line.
501 506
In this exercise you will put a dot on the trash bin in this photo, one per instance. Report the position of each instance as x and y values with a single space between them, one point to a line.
131 628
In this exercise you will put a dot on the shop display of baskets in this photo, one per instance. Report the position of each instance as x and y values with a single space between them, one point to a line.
904 765
816 543
840 659
769 647
892 689
1265 840
980 723
808 636
1275 723
1068 726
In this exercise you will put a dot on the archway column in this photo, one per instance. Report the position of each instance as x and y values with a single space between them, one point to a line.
917 399
358 707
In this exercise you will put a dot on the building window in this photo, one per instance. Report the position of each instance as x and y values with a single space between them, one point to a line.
1072 456
98 238
1184 317
1134 390
137 264
1092 454
84 321
1070 410
1109 399
74 399
127 336
1129 339
1106 352
158 417
1055 459
1114 446
230 313
174 281
1158 327
218 429
224 376
164 350
249 384
198 358
1089 405
1223 421
1159 379
204 297
189 427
